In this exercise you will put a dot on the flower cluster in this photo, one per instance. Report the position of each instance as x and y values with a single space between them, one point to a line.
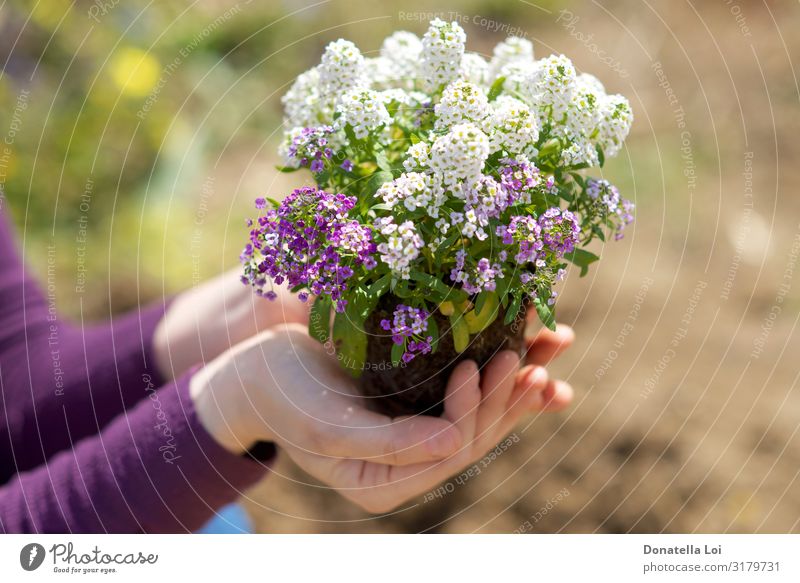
461 102
560 230
513 126
308 147
308 241
364 111
608 204
408 328
442 49
464 179
401 245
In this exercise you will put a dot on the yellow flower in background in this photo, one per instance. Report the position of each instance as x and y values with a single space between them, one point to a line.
134 71
48 13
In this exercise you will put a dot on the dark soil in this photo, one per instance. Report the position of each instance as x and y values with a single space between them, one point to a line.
419 386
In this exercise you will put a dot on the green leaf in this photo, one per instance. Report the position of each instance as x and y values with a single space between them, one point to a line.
378 288
286 169
384 206
480 301
483 314
601 157
578 178
350 340
397 353
503 284
496 88
383 161
545 313
431 282
401 289
319 320
599 232
582 258
450 239
513 310
460 332
351 136
415 139
433 332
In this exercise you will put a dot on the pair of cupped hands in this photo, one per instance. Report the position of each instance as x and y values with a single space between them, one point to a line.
266 379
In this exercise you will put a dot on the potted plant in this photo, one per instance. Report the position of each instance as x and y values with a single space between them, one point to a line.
449 196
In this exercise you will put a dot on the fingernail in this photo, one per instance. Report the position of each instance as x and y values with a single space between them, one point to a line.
444 442
537 376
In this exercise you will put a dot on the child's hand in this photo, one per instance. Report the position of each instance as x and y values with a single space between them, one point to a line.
205 321
281 386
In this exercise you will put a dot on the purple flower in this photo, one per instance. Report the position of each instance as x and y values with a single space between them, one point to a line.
261 203
525 231
309 242
408 327
517 179
347 166
560 230
310 146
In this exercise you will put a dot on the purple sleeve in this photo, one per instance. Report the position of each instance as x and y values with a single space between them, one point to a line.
61 382
153 469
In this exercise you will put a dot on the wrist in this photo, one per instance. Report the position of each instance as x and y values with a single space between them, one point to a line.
226 404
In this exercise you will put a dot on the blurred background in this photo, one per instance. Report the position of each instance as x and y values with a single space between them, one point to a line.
136 135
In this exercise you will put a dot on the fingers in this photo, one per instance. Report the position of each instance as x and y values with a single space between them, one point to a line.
462 399
531 381
412 440
555 397
547 344
401 441
534 392
461 405
496 388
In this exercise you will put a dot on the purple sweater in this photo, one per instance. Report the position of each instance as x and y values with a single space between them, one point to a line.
89 440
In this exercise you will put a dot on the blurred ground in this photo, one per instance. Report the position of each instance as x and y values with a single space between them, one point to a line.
685 368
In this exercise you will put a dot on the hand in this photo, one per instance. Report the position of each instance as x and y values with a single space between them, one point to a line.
281 386
207 320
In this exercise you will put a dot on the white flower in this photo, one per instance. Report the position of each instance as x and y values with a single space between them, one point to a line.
380 73
399 96
411 188
474 69
301 104
616 118
583 113
342 68
401 247
418 157
591 81
580 151
364 110
400 53
582 118
512 50
461 102
550 88
512 126
442 49
460 154
517 75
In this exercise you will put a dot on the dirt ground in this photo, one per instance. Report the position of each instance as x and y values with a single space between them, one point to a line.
685 368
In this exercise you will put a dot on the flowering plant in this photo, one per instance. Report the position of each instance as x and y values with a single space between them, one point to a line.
448 188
